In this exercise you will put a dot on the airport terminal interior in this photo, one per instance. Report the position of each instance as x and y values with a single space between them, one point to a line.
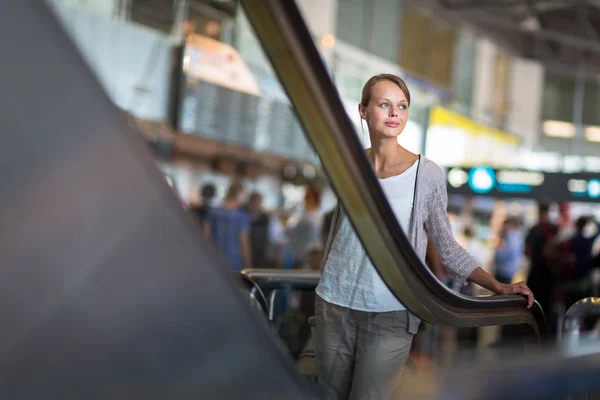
188 185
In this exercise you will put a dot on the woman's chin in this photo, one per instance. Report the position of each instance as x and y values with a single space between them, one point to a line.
390 134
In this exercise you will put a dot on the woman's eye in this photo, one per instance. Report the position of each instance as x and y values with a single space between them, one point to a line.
403 107
384 105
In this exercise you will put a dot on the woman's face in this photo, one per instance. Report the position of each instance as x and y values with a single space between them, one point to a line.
387 111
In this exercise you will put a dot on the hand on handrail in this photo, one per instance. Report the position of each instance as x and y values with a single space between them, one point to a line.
483 279
516 288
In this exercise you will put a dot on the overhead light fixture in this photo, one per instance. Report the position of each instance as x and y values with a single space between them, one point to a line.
328 41
592 133
559 129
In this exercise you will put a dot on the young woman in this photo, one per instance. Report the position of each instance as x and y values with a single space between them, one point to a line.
363 333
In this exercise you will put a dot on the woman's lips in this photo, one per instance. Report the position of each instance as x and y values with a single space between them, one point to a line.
392 124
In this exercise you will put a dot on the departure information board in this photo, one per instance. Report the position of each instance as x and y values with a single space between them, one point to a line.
231 116
536 185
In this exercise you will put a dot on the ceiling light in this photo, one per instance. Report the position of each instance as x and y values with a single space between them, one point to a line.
560 129
592 133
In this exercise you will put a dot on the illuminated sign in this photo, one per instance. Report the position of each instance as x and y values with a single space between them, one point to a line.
511 183
593 188
482 179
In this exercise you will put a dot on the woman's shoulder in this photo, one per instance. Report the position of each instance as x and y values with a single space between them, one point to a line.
431 173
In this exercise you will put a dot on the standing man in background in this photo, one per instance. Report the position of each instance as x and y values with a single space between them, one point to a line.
541 278
229 228
307 231
509 251
260 224
207 195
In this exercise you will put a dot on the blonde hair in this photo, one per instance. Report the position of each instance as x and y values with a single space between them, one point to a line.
366 92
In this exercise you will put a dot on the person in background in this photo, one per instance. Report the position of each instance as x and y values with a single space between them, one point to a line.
207 195
541 278
475 247
314 258
308 228
278 252
477 250
575 278
507 259
260 225
228 226
509 251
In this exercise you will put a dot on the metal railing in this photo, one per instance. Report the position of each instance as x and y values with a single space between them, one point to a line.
584 308
273 281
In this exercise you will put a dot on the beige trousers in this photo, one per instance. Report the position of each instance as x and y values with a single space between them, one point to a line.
360 355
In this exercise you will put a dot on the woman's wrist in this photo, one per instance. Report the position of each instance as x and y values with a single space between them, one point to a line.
496 287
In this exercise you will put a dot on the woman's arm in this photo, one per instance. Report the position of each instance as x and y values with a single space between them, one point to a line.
433 260
452 255
459 264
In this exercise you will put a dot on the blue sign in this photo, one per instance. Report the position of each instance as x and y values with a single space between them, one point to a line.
593 188
482 179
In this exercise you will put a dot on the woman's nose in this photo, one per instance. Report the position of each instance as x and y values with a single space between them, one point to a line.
393 112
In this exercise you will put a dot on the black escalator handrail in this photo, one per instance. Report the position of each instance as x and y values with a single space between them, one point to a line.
273 279
297 62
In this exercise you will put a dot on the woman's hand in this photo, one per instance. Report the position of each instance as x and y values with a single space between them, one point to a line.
516 288
483 279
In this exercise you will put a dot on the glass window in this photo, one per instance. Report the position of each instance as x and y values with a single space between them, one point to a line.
371 25
559 94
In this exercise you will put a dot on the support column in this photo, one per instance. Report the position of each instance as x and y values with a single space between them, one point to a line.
526 86
483 85
578 109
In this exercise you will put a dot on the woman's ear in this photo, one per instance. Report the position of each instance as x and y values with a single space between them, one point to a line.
362 112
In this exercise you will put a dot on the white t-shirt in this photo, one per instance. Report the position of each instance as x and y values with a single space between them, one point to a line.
353 281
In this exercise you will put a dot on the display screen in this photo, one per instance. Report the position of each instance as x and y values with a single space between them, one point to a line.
511 183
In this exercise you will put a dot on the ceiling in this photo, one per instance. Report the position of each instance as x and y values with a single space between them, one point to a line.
556 32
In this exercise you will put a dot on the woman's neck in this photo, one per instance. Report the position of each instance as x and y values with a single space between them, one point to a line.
386 153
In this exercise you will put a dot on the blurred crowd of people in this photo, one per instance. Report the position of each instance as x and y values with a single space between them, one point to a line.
250 237
247 236
561 254
561 258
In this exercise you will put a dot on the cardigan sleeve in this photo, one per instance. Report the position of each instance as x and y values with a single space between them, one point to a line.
455 259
